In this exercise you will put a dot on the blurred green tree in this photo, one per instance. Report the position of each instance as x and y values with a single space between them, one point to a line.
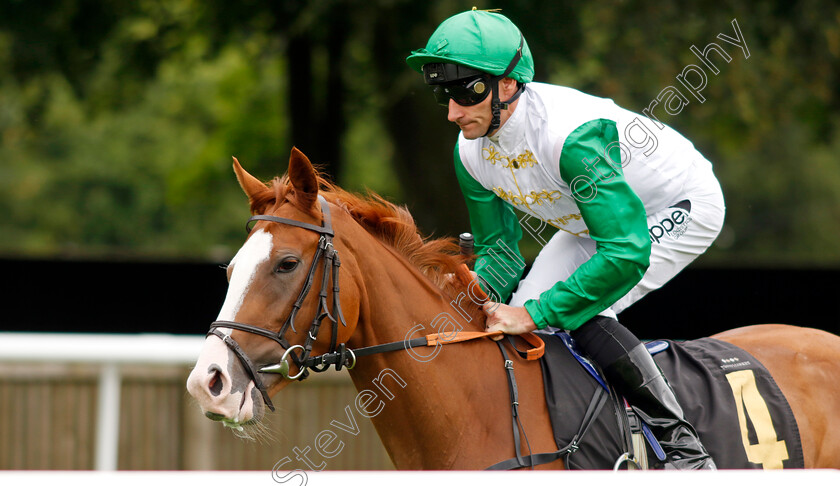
117 119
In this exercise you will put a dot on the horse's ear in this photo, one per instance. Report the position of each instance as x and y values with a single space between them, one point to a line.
250 184
303 177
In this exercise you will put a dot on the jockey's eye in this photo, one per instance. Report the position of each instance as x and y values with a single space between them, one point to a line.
287 265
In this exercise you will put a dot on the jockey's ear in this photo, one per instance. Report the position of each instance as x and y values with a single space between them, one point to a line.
303 178
250 184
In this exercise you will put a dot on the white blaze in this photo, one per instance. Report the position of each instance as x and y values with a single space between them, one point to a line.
245 263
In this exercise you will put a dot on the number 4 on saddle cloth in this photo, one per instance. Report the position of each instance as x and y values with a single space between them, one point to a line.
727 395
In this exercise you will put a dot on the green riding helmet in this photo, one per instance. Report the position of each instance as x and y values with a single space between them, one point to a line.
472 45
482 40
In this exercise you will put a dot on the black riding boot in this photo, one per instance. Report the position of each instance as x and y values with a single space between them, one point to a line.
631 369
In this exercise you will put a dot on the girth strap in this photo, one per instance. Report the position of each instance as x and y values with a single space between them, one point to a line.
514 406
599 399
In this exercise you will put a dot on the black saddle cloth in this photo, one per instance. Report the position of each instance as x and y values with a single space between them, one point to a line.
740 413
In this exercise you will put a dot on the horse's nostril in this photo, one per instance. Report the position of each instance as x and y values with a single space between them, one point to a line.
215 384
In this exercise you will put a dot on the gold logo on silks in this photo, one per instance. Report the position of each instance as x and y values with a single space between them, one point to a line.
521 161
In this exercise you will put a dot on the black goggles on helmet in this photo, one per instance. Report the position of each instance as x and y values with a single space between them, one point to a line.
465 85
468 86
467 92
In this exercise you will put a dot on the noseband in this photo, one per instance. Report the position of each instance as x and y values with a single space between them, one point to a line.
327 253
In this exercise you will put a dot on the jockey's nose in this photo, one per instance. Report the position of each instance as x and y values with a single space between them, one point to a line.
456 111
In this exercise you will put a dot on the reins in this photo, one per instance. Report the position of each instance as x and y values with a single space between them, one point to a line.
336 358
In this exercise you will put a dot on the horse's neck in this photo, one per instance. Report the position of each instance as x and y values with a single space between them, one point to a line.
400 298
425 397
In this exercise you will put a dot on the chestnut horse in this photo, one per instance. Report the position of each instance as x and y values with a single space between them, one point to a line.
439 407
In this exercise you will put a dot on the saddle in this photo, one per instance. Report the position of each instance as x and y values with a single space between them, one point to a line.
742 417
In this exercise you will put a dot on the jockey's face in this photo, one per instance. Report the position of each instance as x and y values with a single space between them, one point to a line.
475 120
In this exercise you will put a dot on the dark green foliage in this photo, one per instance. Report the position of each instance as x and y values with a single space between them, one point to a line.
118 119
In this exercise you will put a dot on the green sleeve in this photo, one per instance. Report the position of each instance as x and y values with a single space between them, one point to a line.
616 219
496 231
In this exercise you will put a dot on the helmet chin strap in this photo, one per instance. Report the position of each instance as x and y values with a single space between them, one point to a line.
496 106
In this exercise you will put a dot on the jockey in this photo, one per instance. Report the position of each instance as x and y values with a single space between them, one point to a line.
632 200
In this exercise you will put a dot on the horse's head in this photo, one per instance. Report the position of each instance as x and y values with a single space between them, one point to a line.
282 312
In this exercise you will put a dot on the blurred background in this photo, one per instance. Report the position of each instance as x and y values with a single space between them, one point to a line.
118 203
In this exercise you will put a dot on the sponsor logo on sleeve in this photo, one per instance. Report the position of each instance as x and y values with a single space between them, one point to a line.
675 223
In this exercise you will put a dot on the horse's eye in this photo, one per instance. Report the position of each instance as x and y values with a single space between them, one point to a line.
287 265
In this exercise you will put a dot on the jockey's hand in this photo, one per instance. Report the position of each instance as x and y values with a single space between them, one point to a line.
509 320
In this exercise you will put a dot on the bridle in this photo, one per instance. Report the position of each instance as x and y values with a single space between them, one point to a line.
338 355
327 254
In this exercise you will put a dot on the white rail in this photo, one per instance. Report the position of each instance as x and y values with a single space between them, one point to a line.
109 351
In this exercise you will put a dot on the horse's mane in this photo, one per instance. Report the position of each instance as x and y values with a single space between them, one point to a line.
391 224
